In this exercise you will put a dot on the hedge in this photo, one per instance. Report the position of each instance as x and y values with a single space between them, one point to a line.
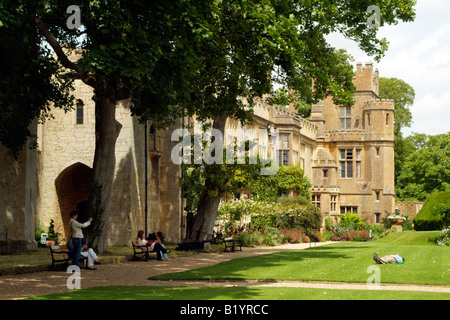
434 213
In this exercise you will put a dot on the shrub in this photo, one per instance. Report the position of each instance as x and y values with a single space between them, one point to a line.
378 231
39 231
444 238
251 236
434 213
360 236
352 221
286 214
293 236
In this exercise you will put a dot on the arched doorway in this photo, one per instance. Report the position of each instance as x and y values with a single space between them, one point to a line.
72 188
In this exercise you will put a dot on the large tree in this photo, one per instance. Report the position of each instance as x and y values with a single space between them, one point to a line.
193 57
285 39
120 47
427 168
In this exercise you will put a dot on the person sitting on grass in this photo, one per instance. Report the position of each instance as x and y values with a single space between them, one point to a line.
395 258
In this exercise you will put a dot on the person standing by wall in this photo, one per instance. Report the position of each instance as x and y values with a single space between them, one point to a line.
77 235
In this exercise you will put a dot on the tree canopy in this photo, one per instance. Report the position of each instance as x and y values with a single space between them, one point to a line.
180 57
427 168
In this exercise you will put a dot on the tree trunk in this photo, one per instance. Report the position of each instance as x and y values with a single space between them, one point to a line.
205 217
107 130
208 206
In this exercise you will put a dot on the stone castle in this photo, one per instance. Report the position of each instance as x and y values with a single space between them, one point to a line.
346 152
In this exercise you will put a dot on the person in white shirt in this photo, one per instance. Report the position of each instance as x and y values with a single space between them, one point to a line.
77 235
90 254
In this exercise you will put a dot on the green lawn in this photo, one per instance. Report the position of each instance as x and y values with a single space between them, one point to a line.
426 263
236 293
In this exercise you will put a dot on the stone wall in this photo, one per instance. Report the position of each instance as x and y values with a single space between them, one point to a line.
18 200
66 155
409 208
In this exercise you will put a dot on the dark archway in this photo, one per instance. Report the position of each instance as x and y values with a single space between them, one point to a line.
72 188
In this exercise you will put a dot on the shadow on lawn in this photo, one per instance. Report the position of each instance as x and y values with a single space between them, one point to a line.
262 265
155 293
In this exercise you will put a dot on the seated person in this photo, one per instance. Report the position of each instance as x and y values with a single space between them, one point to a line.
85 252
153 244
90 254
140 241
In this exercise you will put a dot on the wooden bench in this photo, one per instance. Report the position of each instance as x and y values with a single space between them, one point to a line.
140 252
231 244
60 253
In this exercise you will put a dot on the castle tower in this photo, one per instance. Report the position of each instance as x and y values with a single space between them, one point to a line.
360 143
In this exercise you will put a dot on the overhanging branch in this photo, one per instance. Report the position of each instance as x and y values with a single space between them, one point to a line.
64 60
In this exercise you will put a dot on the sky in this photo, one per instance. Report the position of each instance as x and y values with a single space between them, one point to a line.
419 54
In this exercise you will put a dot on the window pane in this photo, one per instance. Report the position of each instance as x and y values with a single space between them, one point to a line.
341 169
80 114
358 169
285 141
358 154
285 157
279 157
342 110
342 123
342 154
348 123
349 169
349 154
349 111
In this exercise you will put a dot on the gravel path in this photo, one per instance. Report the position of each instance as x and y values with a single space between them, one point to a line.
136 273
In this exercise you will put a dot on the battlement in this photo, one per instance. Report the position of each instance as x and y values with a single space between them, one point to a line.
384 104
366 78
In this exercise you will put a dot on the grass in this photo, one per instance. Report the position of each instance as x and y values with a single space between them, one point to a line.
426 263
236 293
411 238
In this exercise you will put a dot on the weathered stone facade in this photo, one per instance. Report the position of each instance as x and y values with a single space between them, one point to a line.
347 153
18 191
65 156
409 208
353 164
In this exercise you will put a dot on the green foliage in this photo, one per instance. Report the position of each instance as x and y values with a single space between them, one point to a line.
39 231
403 95
434 213
282 97
427 169
52 235
352 221
189 57
261 237
444 238
31 81
271 187
280 215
